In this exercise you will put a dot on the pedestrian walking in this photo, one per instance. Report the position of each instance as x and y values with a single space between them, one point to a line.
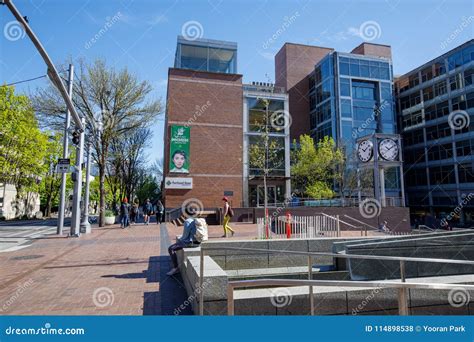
160 211
147 211
124 211
228 213
134 213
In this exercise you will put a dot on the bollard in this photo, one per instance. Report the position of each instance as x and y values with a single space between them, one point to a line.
288 225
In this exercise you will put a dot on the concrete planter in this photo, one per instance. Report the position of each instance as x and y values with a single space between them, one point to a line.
109 220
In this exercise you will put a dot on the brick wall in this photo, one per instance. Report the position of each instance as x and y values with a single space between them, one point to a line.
377 50
293 64
211 104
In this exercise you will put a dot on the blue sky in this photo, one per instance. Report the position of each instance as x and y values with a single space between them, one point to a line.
141 34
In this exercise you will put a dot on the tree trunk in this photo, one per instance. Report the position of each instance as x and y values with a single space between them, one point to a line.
101 194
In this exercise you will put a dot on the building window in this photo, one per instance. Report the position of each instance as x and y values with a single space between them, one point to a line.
459 102
345 86
363 90
412 119
469 76
463 148
346 108
465 173
413 80
440 152
428 94
439 69
440 88
456 82
438 131
257 115
442 174
426 74
344 66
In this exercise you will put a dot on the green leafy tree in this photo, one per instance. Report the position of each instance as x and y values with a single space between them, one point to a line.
22 146
113 103
317 167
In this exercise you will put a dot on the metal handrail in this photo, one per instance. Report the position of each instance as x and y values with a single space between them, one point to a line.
402 287
361 222
403 307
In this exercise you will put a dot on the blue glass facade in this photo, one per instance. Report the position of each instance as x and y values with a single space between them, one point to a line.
352 96
439 156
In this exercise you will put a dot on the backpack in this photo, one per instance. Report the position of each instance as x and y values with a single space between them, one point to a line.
230 211
201 230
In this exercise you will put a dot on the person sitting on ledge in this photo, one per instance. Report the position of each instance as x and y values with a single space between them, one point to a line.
185 240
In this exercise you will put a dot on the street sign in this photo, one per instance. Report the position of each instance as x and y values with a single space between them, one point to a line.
63 165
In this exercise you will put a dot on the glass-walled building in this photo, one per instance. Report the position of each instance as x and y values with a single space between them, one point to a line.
436 105
266 107
206 55
351 96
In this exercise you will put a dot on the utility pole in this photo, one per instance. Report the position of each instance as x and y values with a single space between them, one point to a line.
62 198
76 201
85 225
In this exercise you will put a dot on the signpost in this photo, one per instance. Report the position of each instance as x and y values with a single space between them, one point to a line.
63 165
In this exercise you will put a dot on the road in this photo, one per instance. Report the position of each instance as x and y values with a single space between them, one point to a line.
15 235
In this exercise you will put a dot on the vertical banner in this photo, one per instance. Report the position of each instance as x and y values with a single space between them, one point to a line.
179 149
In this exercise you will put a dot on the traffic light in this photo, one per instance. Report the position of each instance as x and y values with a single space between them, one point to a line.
76 137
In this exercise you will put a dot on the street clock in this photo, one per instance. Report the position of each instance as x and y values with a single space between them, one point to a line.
388 149
365 150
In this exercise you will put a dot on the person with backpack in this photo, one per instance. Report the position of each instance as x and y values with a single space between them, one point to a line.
124 210
228 213
134 213
160 210
147 211
194 232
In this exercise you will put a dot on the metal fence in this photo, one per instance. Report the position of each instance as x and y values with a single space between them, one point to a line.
298 227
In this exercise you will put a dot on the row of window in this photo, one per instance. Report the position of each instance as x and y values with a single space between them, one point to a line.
436 111
440 175
457 81
321 114
463 148
454 61
363 68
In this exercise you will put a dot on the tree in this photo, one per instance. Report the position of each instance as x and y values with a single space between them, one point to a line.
51 182
317 167
22 145
113 104
264 152
148 189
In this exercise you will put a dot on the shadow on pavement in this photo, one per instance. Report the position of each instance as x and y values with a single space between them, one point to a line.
171 292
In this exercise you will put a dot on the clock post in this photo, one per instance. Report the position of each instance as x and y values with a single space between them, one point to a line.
381 151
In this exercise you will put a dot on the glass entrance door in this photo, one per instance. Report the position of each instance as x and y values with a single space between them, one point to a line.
271 196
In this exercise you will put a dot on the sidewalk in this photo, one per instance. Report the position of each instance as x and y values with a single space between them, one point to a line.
111 271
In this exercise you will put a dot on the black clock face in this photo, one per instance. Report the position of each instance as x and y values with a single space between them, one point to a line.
365 150
388 149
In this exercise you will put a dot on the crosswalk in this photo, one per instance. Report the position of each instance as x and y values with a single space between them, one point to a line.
14 237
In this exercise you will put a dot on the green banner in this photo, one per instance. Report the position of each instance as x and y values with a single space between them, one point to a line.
179 149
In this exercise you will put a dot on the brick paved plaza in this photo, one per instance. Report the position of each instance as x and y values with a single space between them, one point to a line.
127 269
